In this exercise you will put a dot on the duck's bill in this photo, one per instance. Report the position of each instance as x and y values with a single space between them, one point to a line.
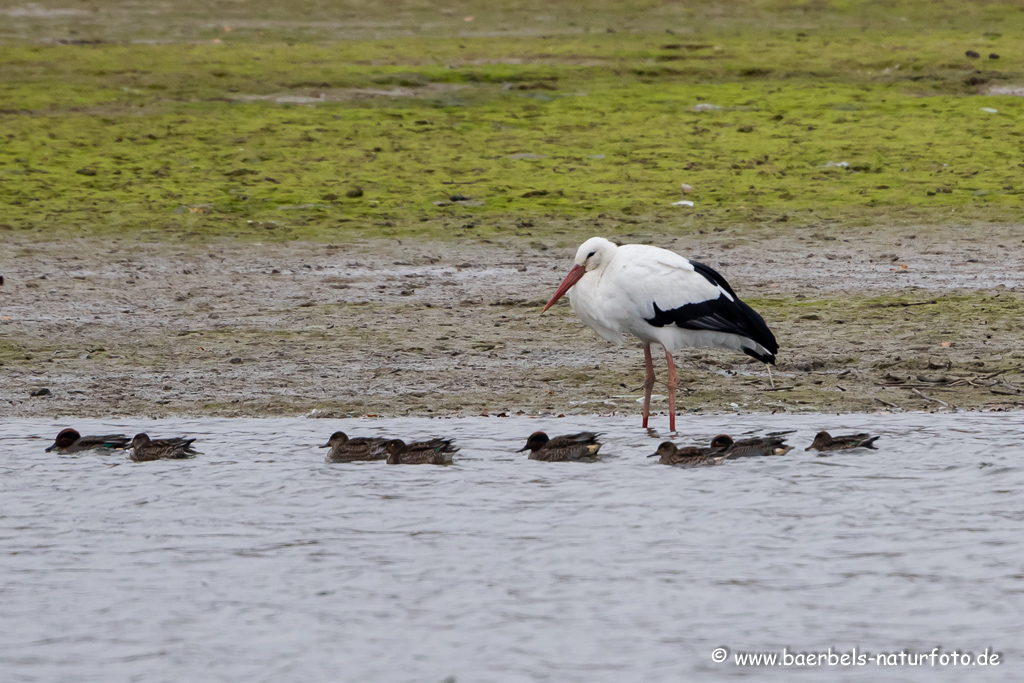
571 279
51 448
524 448
326 445
653 455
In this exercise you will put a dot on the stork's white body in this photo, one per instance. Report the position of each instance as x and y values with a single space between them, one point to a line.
618 298
661 298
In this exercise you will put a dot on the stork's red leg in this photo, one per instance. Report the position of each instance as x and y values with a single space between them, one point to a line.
671 391
648 382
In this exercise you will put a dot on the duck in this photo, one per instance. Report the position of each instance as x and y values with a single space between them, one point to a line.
752 447
344 449
70 441
145 449
823 441
432 452
570 447
691 456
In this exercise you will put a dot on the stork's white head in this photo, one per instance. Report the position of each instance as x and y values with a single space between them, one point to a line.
594 253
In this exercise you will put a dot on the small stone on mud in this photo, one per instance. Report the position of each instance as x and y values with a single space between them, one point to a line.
972 54
236 361
534 193
458 198
993 55
41 392
354 192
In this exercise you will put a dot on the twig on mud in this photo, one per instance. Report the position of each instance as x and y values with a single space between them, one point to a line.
994 374
658 382
928 398
1009 390
975 381
886 403
904 304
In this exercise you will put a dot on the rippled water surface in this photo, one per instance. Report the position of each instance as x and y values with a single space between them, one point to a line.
258 562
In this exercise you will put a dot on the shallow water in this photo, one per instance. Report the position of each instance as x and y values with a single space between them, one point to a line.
257 561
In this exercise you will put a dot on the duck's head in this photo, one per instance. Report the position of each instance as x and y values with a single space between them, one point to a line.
395 448
820 439
666 449
535 442
139 440
594 253
65 438
722 441
336 439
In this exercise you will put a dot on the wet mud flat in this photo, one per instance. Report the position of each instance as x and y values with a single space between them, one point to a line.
903 319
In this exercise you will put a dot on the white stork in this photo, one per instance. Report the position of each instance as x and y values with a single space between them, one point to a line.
660 297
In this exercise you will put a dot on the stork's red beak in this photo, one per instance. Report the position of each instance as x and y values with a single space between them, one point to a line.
572 278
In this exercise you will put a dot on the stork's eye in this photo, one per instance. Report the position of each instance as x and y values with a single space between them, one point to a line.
591 254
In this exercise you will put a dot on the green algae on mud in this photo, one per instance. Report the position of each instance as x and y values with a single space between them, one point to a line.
537 134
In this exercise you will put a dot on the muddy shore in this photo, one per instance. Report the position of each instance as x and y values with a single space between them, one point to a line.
898 319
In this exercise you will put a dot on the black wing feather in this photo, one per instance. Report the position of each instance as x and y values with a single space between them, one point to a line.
720 315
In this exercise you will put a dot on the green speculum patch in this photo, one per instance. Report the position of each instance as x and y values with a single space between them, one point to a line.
377 138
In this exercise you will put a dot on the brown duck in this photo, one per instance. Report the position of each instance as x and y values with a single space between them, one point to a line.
756 446
70 441
145 449
692 456
433 452
344 449
571 447
823 441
